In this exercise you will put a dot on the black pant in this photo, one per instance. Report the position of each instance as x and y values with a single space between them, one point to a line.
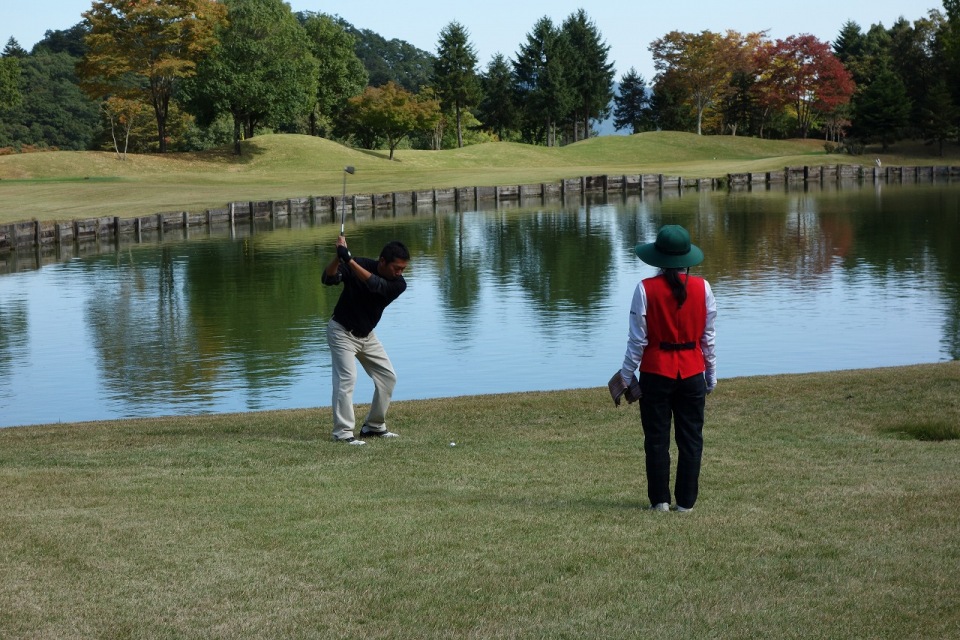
683 400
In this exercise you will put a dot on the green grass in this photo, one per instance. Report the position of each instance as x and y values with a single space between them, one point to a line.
817 519
66 185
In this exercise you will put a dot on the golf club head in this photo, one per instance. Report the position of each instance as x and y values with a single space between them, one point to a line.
349 169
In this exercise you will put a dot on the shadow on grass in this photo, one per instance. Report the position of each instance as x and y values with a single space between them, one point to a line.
925 430
915 149
250 150
379 154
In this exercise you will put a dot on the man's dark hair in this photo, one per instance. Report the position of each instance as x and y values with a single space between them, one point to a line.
394 250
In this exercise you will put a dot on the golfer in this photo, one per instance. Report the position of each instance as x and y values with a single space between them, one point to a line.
368 287
671 338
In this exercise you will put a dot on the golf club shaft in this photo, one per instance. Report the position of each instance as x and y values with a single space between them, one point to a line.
343 202
343 197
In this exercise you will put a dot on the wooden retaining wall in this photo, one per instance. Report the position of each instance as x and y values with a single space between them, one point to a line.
311 209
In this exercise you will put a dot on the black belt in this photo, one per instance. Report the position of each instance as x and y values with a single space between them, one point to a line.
353 332
677 346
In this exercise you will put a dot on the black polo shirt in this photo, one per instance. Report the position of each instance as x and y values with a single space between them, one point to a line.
361 304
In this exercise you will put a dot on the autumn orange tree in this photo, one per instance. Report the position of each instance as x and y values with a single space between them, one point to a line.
139 49
699 65
390 112
123 115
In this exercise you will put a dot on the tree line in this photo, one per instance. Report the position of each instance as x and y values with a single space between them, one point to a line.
196 74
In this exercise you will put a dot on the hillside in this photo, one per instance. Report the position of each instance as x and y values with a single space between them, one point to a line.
70 184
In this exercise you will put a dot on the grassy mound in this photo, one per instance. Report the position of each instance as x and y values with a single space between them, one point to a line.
73 184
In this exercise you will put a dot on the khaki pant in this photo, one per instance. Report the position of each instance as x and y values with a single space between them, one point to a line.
345 350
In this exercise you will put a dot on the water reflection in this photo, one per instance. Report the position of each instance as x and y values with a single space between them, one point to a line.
506 299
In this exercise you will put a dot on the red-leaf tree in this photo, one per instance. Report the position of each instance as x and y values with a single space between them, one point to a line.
802 73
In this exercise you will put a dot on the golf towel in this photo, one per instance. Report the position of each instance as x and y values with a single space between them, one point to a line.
618 389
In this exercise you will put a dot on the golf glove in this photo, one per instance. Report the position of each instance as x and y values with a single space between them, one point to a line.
710 376
344 254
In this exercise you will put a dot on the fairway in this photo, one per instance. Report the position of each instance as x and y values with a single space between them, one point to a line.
824 513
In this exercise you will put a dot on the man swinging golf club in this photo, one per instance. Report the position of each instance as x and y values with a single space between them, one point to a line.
368 287
671 338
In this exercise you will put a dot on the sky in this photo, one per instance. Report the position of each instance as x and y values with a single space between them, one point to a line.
500 26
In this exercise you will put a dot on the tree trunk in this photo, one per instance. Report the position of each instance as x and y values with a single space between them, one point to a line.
236 135
459 130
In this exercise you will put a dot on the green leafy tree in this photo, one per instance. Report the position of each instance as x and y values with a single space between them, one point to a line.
341 73
455 73
261 71
392 60
497 110
392 113
10 95
738 105
53 112
913 57
13 50
139 50
949 40
542 83
590 72
72 40
881 110
940 115
632 103
670 110
876 52
849 47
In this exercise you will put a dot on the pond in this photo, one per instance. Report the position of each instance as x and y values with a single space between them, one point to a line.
513 298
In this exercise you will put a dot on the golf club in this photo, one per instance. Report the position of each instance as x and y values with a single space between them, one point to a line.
343 198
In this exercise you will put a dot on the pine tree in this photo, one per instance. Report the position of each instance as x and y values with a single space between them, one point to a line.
632 104
454 73
497 110
881 110
590 73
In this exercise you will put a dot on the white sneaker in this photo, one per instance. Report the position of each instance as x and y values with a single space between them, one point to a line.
378 434
350 440
662 506
684 509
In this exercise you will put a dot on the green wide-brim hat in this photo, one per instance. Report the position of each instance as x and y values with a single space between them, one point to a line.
672 250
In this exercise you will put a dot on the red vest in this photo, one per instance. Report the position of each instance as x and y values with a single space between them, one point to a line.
673 334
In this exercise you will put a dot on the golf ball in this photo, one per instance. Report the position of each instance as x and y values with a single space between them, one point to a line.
453 444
